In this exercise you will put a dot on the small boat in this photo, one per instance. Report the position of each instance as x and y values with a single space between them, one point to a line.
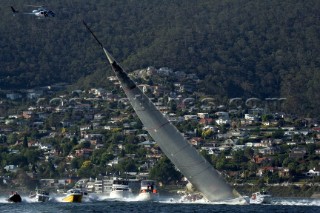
120 189
40 196
73 196
262 197
148 191
14 198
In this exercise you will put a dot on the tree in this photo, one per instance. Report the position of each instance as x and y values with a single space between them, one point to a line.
85 169
165 172
266 117
12 138
279 133
207 133
127 165
25 142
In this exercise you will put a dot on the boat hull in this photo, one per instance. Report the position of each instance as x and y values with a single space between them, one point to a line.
42 198
148 196
260 198
120 194
16 198
73 198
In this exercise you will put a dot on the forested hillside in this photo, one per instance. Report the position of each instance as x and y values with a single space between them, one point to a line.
243 48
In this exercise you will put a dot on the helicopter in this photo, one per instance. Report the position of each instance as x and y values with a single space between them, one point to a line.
40 12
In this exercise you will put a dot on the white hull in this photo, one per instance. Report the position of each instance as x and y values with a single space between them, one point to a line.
120 194
42 198
260 198
148 196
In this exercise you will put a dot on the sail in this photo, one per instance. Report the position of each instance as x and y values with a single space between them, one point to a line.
182 154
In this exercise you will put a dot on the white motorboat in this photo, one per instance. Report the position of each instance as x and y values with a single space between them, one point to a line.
148 191
261 197
120 189
40 196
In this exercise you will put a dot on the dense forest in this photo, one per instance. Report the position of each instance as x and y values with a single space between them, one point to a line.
244 48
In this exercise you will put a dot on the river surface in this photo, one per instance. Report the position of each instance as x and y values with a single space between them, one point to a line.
98 204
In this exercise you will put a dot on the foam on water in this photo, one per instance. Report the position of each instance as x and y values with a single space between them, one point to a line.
176 200
296 201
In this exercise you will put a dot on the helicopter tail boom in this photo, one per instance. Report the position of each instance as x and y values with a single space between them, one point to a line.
14 10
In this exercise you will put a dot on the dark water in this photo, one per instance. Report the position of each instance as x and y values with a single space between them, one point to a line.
307 206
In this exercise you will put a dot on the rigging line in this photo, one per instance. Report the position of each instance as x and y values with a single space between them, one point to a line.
186 146
198 173
160 126
193 165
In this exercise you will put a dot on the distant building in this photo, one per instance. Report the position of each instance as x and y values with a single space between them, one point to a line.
13 96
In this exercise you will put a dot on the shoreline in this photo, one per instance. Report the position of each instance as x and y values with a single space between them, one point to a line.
291 191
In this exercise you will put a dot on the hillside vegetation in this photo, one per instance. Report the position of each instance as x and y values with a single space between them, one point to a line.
241 48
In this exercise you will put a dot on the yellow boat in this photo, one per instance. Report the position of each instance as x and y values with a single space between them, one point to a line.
73 196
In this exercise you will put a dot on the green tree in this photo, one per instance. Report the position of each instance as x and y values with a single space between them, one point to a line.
165 172
25 142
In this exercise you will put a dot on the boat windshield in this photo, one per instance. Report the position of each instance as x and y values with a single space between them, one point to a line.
121 182
148 183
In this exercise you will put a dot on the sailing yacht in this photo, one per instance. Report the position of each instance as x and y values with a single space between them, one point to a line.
183 155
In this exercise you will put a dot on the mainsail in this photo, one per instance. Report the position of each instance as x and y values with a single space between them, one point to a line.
185 157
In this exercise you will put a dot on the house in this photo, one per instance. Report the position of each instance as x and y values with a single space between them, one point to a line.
238 147
237 133
27 114
208 146
259 160
265 169
312 173
268 151
11 168
130 131
164 71
190 117
34 94
298 152
203 115
13 96
83 152
221 121
283 172
250 117
205 121
98 92
196 141
147 144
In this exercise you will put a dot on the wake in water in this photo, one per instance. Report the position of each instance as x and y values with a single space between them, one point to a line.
176 200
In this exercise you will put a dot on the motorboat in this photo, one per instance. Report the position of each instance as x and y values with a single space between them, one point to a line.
14 198
73 196
148 191
120 189
40 196
261 197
